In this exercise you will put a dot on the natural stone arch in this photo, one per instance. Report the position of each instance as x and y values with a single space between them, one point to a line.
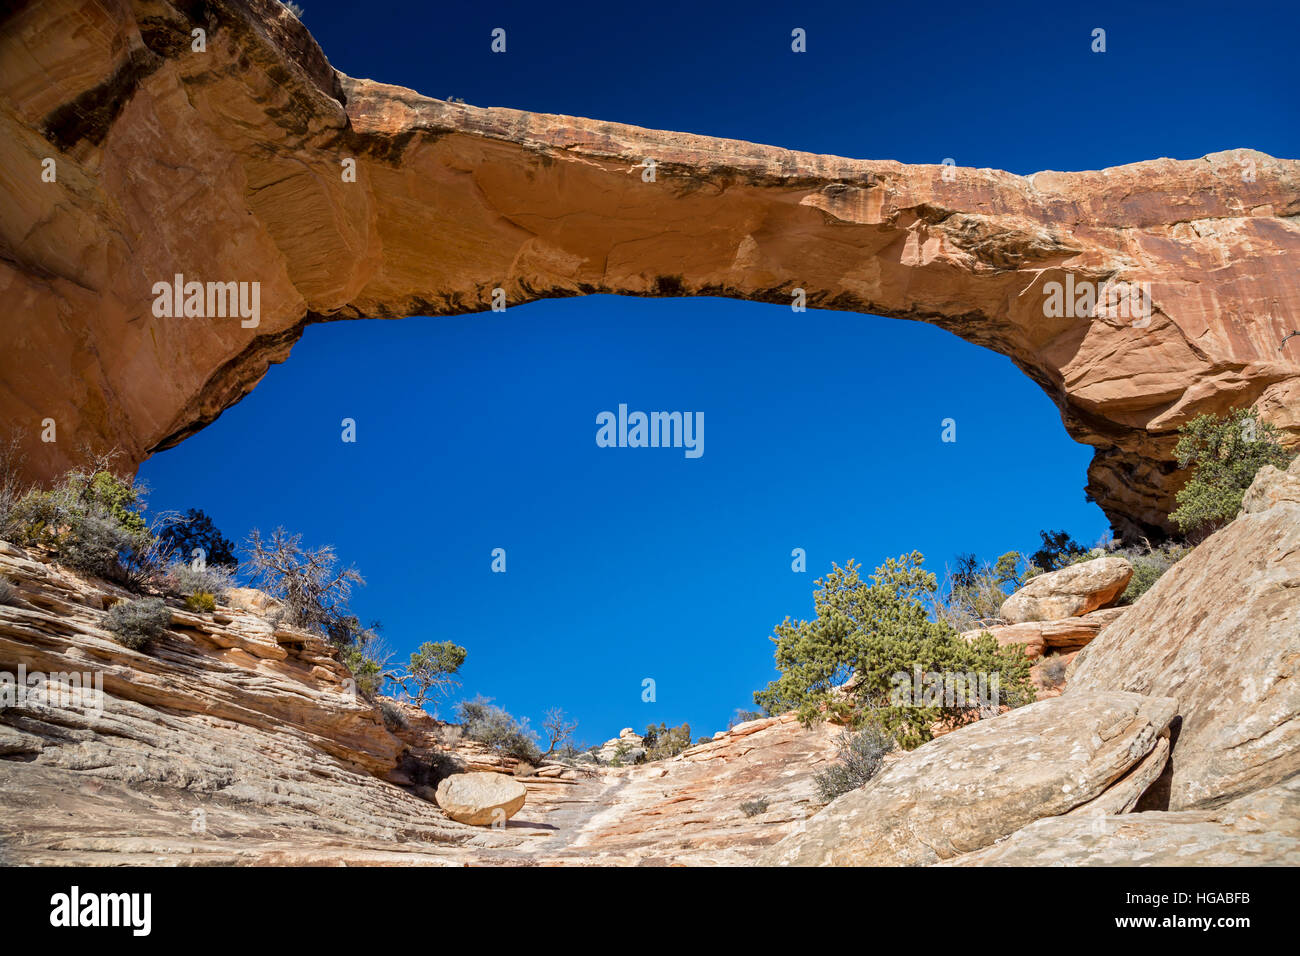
227 166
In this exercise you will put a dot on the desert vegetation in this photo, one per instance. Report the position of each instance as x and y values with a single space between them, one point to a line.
859 756
134 623
496 729
872 631
1224 453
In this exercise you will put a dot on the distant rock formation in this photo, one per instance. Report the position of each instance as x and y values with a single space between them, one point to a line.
254 161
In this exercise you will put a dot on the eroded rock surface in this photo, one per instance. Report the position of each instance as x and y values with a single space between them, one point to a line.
965 790
1220 631
1259 829
248 140
232 741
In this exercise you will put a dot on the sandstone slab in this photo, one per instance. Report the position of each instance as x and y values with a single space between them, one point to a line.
1070 592
965 790
1038 637
1260 829
1220 631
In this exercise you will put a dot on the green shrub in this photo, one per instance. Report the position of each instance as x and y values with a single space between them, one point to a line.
201 601
879 633
752 808
93 522
183 535
1149 564
1225 454
135 623
662 741
366 671
497 730
860 756
8 593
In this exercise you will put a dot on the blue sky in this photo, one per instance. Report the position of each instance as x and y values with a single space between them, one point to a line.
822 429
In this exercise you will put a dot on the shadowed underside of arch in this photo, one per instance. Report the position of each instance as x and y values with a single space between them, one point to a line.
229 165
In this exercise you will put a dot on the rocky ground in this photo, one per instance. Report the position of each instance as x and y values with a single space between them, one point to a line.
232 740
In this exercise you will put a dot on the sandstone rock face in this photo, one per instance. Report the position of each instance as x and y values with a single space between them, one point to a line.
452 201
1220 631
227 740
1070 592
1038 637
963 791
1272 486
480 799
687 810
230 741
1260 829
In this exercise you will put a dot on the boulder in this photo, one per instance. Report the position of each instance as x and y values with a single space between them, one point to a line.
1272 486
481 799
965 790
1220 631
1037 637
1070 592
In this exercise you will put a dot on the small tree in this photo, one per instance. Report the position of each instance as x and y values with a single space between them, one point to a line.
497 730
1225 454
558 729
662 741
430 673
312 590
877 633
1058 551
195 530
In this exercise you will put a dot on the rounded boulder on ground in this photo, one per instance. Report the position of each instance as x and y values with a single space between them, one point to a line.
1069 592
481 799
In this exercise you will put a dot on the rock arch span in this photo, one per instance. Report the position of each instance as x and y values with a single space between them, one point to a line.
226 165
